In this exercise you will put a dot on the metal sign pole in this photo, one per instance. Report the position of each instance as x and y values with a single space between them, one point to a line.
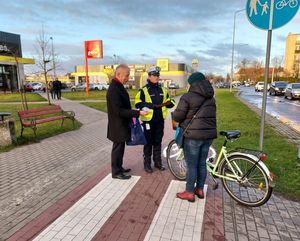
264 102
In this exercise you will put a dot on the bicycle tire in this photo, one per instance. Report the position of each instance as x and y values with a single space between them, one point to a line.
178 166
293 3
255 190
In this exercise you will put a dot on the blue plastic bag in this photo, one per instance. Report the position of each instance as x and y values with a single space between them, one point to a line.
179 138
137 134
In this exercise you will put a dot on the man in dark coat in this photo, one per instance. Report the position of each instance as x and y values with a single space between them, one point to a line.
119 116
57 86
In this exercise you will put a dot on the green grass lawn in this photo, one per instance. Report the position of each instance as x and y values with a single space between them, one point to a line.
43 130
101 106
16 97
234 115
101 95
93 95
281 154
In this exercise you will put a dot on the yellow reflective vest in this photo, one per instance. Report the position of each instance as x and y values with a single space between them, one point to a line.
148 99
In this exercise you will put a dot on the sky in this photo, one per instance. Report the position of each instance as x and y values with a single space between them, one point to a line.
139 31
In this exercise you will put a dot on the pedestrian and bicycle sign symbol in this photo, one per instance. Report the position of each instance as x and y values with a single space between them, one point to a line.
271 14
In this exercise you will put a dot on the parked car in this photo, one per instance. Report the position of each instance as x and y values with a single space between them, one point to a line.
100 86
277 88
81 87
38 86
260 86
223 85
173 86
64 85
28 87
292 91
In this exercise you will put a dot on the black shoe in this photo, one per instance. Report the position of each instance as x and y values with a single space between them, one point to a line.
126 169
148 169
121 176
160 167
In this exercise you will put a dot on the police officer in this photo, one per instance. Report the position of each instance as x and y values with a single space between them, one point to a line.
156 98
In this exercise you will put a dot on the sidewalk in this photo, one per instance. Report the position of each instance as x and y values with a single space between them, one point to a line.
62 185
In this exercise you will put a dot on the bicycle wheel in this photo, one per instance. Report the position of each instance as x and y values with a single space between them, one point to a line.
280 5
254 189
176 162
293 3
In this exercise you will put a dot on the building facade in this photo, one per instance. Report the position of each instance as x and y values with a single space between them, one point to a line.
11 62
170 73
292 55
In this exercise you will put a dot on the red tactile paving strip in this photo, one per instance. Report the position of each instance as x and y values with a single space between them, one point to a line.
213 223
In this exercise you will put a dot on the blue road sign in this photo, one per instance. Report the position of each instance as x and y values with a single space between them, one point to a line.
259 12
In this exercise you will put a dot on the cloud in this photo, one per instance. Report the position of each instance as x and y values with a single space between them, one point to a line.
141 31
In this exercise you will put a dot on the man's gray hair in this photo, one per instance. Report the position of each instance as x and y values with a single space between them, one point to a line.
121 67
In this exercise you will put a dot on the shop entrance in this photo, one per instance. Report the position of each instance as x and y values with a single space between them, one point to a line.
8 78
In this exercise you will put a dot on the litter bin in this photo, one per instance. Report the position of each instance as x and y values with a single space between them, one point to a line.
7 133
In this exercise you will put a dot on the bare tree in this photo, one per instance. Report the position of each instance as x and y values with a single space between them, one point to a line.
242 69
255 70
44 56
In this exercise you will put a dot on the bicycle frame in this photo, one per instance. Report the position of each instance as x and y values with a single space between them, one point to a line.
213 168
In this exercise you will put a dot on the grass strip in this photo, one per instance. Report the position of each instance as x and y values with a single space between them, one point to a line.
16 97
43 130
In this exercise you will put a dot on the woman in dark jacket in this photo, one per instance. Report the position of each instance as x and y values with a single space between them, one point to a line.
199 135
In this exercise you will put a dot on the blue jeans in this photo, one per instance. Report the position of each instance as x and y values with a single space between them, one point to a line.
195 154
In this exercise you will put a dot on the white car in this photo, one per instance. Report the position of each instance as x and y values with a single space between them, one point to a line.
38 86
100 86
260 86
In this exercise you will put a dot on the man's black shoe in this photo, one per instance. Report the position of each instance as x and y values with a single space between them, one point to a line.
148 169
160 167
126 169
121 176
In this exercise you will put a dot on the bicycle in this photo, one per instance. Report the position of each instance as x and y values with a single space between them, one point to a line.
244 175
281 4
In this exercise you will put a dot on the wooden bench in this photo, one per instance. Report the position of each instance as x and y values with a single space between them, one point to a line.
35 116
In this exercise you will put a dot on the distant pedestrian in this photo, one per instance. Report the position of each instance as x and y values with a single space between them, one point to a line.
200 133
50 88
57 86
119 115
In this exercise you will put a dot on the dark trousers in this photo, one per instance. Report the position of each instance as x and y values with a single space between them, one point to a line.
117 154
58 94
154 137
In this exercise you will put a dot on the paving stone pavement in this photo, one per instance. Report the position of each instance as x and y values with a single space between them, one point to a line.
34 177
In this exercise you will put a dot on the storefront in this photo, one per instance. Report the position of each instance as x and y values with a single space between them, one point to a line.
11 62
176 73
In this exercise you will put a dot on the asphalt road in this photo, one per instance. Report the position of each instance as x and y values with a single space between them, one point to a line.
277 106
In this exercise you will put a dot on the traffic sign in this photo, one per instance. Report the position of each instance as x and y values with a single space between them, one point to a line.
271 14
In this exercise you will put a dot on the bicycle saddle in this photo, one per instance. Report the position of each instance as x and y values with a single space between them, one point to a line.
231 134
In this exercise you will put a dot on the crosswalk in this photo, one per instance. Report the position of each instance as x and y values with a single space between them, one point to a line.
174 220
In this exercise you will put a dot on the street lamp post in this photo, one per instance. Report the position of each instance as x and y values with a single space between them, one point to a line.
233 39
53 59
